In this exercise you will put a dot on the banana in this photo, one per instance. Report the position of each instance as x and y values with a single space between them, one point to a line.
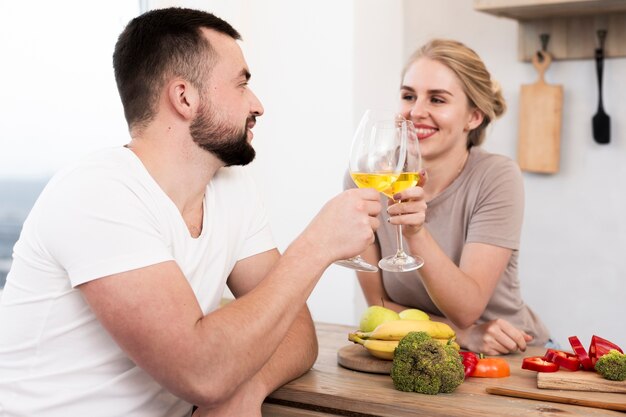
397 329
384 349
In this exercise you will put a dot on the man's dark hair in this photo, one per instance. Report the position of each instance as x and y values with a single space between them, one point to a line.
158 45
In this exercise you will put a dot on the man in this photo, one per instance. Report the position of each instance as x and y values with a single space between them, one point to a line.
111 307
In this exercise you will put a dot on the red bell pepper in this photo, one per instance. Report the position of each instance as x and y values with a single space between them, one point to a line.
600 347
470 359
539 364
583 357
563 359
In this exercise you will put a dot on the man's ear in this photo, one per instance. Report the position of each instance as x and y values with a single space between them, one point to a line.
475 119
183 98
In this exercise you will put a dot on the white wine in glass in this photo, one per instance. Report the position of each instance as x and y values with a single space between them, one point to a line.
376 160
409 177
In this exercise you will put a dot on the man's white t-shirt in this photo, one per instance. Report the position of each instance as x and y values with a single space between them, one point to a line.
106 215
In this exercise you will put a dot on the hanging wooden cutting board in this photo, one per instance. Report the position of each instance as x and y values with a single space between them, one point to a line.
540 122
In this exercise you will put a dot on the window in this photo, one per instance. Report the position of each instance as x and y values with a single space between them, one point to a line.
18 197
60 100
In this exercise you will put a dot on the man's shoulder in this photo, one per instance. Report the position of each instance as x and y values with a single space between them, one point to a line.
112 160
100 174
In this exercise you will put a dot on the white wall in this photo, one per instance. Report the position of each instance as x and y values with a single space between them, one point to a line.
570 266
316 66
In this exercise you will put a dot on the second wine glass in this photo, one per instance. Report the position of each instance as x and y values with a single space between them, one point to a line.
408 177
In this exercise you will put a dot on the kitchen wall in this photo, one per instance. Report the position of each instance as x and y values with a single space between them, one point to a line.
316 66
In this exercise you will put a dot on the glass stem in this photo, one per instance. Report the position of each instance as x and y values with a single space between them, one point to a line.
400 253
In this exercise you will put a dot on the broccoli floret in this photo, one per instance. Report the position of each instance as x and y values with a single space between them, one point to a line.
423 365
612 366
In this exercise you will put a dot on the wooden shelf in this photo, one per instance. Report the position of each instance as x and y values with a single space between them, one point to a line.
571 24
539 9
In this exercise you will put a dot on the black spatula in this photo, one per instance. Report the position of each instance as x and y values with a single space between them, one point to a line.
601 121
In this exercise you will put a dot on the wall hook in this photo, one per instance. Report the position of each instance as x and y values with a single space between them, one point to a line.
544 38
601 37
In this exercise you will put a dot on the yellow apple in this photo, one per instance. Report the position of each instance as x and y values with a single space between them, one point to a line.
376 315
413 314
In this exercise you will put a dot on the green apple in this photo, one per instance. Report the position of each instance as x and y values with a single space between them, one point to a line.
413 314
376 315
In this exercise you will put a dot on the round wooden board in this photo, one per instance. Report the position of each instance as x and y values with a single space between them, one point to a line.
357 358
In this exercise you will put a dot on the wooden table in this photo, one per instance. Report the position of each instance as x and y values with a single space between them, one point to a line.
331 390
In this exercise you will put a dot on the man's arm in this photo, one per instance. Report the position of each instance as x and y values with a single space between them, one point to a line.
293 357
297 353
152 312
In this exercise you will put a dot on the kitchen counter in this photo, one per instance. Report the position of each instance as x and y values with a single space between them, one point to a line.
328 389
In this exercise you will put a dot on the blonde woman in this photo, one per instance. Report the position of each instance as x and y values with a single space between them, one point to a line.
465 221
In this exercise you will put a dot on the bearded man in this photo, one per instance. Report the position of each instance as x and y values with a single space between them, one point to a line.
111 307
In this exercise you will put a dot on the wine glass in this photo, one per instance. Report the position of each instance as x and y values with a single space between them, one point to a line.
376 159
409 177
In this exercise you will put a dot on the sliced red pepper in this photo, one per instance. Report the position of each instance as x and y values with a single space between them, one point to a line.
550 354
566 360
600 347
539 364
491 368
580 351
470 359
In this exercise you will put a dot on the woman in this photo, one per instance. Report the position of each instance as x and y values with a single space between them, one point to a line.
465 221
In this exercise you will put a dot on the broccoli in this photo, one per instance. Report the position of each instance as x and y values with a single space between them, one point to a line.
424 365
612 366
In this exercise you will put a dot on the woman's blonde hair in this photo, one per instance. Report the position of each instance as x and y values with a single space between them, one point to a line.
482 92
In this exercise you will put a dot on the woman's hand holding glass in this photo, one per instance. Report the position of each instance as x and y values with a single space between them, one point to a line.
408 208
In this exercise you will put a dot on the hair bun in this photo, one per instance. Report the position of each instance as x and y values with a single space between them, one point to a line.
499 104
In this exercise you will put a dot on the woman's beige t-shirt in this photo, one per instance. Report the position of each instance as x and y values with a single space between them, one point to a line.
485 204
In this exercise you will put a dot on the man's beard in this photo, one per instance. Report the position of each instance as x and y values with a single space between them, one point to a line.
228 143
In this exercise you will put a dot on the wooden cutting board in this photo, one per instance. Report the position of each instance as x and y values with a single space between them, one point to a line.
578 388
357 358
539 142
528 387
579 381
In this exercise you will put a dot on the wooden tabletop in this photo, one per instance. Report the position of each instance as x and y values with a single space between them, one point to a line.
329 389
